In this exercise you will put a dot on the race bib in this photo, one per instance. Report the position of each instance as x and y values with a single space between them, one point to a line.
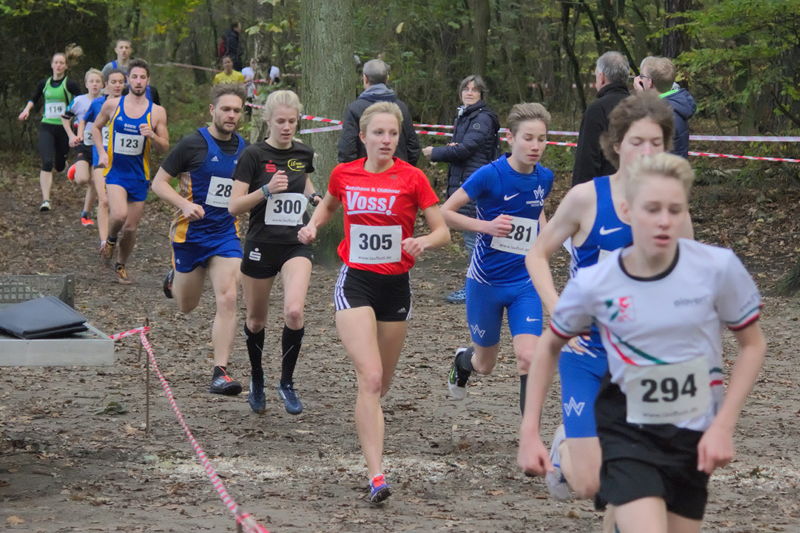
667 394
521 237
285 209
219 192
375 245
54 109
87 134
104 131
126 144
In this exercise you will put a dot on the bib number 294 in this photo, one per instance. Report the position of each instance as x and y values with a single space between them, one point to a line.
667 394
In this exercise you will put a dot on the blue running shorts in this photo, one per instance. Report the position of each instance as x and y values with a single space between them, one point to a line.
485 305
581 377
190 255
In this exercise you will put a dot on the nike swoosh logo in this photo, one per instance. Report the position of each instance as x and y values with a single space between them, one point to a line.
604 231
529 319
507 198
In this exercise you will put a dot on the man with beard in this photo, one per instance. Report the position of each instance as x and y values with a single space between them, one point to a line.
135 123
204 234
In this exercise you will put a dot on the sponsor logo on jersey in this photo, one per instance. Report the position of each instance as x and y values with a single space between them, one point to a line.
529 319
608 231
620 309
508 197
690 301
295 165
255 255
476 330
577 407
215 159
271 167
538 195
361 203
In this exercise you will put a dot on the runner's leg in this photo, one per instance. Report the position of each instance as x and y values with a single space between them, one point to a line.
102 203
645 515
296 275
224 275
127 239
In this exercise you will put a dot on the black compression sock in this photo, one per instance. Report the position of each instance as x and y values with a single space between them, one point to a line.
255 348
464 360
291 340
112 240
523 385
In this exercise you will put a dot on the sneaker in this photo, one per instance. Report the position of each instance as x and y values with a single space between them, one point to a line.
378 490
457 297
45 206
457 378
556 483
256 397
290 400
167 286
71 172
224 384
86 221
107 251
122 274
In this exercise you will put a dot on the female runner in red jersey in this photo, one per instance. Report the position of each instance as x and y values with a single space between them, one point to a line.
380 195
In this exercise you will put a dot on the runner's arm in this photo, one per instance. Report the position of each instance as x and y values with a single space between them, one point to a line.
322 214
242 201
564 224
97 129
499 227
715 448
532 455
164 190
159 133
439 235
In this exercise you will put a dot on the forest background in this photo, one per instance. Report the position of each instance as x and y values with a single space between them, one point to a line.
738 58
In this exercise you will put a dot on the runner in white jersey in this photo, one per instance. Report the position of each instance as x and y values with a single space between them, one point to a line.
664 420
589 219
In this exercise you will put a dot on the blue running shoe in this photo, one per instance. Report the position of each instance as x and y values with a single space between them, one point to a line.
378 490
256 397
290 399
457 297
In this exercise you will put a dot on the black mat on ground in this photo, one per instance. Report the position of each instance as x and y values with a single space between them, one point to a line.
45 317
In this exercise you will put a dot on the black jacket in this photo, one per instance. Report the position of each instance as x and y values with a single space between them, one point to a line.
589 160
683 107
351 147
474 144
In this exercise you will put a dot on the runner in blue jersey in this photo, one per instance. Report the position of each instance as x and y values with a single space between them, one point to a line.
589 218
509 195
135 124
115 82
204 235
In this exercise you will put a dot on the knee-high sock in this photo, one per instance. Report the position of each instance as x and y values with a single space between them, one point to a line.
291 340
255 348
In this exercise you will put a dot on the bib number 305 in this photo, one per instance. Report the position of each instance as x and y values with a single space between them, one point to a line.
374 245
667 394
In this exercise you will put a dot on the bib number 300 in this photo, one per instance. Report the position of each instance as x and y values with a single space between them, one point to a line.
285 209
667 394
219 192
373 245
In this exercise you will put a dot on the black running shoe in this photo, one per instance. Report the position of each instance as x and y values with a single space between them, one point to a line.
256 398
224 384
168 279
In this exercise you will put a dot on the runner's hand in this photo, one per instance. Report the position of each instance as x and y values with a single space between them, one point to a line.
193 211
102 160
575 345
715 449
414 246
499 227
278 183
146 130
307 234
532 456
24 115
75 140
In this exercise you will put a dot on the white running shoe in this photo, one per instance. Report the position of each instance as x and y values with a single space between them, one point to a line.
556 483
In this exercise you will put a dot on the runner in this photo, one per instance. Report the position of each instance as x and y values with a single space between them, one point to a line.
509 196
588 218
80 171
115 83
204 235
664 420
58 91
124 51
136 124
272 183
381 195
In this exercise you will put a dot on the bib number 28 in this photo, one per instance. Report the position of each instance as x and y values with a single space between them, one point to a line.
219 192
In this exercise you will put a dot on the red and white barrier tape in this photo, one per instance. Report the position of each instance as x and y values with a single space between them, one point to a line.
748 157
248 523
320 130
321 119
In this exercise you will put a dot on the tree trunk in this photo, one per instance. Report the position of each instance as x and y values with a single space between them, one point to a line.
480 27
568 42
676 41
327 57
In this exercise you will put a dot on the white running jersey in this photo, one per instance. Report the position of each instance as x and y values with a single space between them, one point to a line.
666 323
80 105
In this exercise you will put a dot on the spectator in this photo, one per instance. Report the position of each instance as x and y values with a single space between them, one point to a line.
375 75
611 81
274 75
249 73
228 75
473 145
231 46
658 73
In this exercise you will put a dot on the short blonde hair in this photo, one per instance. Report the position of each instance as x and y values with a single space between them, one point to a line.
283 97
662 165
93 72
377 108
523 112
661 70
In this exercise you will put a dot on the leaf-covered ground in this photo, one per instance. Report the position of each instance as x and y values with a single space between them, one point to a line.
74 455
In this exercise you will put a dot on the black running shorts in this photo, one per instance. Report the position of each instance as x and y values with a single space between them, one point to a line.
262 261
388 295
